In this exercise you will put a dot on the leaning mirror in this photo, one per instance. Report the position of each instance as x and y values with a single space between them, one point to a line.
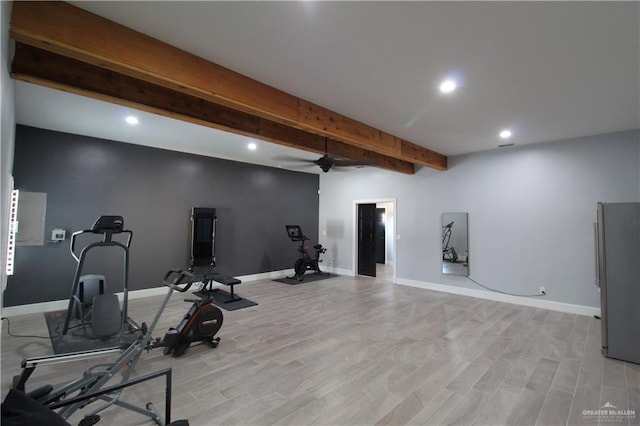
455 244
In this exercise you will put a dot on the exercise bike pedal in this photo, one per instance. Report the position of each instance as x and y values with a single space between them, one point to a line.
40 392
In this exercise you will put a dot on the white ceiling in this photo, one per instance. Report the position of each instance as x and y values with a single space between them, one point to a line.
546 70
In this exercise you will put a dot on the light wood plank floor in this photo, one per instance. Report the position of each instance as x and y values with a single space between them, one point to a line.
361 351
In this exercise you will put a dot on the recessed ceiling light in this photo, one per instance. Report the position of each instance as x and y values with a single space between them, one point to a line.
448 86
505 134
252 146
132 120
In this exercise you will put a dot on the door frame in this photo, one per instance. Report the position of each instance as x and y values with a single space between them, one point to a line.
354 240
384 229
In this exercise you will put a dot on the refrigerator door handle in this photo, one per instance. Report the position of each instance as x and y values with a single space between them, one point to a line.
596 254
602 278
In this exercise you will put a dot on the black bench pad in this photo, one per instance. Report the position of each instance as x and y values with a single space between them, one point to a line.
222 279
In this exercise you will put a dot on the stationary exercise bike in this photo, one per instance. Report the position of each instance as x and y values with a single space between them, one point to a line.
305 262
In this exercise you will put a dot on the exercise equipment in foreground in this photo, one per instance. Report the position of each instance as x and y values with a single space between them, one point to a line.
18 409
99 313
305 262
198 326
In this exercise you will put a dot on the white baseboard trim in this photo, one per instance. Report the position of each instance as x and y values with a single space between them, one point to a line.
58 305
339 271
498 297
34 308
266 275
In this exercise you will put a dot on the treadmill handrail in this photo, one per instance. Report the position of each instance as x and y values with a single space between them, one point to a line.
106 241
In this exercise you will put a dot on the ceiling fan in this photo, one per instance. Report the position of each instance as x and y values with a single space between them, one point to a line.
326 162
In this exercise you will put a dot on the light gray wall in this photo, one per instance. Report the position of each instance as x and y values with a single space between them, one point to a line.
531 213
7 132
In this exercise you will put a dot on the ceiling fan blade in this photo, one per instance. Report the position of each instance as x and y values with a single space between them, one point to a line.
325 162
291 158
299 166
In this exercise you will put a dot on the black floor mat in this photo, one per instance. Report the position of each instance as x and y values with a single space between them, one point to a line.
222 299
307 278
75 340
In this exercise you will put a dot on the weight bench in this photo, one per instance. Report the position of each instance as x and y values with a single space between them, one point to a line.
222 279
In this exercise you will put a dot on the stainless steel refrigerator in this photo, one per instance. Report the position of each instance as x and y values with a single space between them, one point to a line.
618 276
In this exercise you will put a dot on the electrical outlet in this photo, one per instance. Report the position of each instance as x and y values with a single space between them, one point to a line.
543 290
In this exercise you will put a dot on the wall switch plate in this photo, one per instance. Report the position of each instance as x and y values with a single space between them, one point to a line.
58 234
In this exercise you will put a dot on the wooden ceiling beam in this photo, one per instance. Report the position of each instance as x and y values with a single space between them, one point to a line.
39 66
72 32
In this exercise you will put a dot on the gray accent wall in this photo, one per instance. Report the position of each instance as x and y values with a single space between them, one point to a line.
531 213
154 190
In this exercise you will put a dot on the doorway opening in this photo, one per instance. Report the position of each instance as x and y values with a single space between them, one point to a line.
374 245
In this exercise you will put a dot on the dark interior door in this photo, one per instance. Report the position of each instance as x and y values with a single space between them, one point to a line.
367 239
380 236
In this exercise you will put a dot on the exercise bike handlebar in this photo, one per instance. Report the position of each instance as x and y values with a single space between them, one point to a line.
179 280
